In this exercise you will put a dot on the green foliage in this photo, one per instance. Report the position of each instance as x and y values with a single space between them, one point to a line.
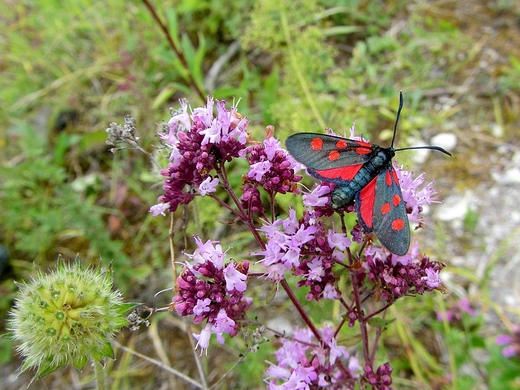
47 214
471 220
505 370
288 32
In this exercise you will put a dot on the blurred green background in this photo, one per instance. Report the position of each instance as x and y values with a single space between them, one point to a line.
68 69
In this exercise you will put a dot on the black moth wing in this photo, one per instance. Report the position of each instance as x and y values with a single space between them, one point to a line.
390 219
303 147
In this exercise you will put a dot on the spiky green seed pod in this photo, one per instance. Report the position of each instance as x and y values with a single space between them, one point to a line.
67 316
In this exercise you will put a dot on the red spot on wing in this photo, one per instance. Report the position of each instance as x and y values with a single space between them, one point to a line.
398 224
365 148
367 197
317 143
333 155
341 144
394 176
396 199
388 177
343 173
385 208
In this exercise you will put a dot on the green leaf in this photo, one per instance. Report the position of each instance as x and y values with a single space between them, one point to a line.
105 351
173 25
352 340
80 362
44 369
188 50
194 58
180 68
163 97
340 30
379 322
124 308
198 61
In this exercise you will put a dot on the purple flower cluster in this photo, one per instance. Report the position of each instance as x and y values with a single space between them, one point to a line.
414 196
213 291
302 363
199 142
271 168
398 276
512 343
381 379
289 241
318 200
456 312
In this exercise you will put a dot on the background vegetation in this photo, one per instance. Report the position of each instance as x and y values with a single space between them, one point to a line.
69 69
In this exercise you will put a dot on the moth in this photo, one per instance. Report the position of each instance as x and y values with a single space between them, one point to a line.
363 174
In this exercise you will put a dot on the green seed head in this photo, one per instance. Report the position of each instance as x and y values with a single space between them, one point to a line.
67 317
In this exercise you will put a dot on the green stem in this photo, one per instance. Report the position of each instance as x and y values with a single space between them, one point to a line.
100 375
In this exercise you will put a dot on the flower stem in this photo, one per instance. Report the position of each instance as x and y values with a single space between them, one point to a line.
100 374
298 307
241 213
357 301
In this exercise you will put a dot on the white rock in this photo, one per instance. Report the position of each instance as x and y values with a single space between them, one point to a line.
455 207
497 131
510 176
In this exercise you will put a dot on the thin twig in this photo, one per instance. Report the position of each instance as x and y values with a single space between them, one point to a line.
175 48
198 363
160 365
214 71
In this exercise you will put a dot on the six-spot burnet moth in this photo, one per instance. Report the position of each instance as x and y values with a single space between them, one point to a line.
362 172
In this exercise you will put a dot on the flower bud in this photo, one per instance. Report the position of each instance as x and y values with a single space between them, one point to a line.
68 316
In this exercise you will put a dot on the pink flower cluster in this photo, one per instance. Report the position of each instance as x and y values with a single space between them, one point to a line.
199 142
212 291
272 169
511 342
303 363
398 276
307 248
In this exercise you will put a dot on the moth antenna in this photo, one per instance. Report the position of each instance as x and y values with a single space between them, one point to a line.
401 103
425 147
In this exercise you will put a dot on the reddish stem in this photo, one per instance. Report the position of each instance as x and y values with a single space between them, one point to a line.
362 323
299 307
175 48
